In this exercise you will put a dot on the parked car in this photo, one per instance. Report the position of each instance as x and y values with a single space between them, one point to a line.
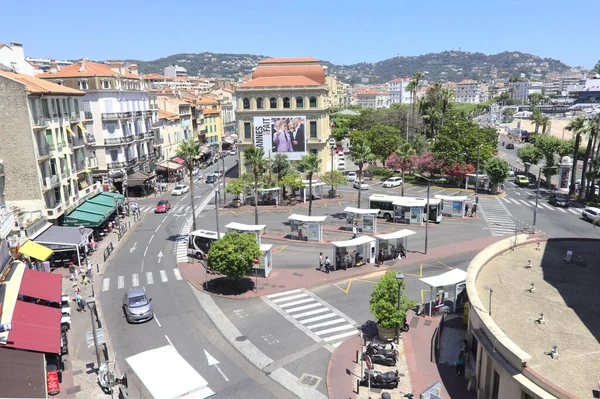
559 200
136 305
180 189
393 182
511 173
341 165
232 152
162 207
590 214
341 156
218 172
351 177
211 178
510 146
521 180
362 185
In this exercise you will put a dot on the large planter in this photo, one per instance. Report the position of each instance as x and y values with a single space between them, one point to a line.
386 334
236 203
331 193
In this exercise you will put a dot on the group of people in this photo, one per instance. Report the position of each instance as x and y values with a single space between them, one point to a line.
86 273
473 208
288 135
381 257
161 187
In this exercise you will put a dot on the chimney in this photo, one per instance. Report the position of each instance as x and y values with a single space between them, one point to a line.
133 68
81 65
53 66
116 66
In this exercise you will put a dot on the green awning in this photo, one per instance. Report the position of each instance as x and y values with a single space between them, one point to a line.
96 209
110 196
78 218
106 200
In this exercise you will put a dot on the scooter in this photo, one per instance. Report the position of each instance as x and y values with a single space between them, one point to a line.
379 380
386 359
381 349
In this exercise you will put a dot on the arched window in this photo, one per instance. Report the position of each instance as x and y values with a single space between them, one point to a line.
246 102
259 103
312 102
286 102
299 102
273 103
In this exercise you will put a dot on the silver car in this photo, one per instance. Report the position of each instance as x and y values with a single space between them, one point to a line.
136 305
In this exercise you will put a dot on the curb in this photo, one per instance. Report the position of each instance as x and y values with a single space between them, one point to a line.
335 353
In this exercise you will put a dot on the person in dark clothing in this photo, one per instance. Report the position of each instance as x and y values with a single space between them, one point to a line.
327 264
380 258
402 251
466 209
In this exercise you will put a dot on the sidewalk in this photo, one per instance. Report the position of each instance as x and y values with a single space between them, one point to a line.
282 280
79 379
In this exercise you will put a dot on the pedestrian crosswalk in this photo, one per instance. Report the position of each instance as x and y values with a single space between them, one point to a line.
137 279
312 315
176 209
499 220
182 242
541 205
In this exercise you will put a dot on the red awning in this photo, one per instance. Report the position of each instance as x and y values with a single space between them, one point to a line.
178 160
41 285
35 328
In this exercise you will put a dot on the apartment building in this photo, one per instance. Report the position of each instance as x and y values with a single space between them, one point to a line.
335 91
175 71
373 99
227 101
117 117
285 94
470 91
44 147
183 109
399 93
518 90
12 56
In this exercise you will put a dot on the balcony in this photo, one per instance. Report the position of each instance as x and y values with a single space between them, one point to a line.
132 161
51 181
80 166
203 131
7 222
115 165
92 162
143 158
130 138
77 141
87 115
41 122
90 139
59 146
158 141
75 117
115 141
44 151
156 125
113 116
54 211
149 135
138 114
139 136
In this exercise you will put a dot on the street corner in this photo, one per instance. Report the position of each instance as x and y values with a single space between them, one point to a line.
343 371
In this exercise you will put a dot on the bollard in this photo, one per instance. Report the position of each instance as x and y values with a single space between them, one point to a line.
97 268
357 387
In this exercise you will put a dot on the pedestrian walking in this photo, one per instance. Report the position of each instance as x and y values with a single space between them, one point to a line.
460 363
477 199
72 270
90 272
380 258
402 251
327 264
474 210
321 261
355 230
466 209
82 272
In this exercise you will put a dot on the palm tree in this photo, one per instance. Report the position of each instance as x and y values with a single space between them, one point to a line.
361 155
537 118
592 128
280 165
412 86
190 151
404 153
544 121
577 126
310 164
254 158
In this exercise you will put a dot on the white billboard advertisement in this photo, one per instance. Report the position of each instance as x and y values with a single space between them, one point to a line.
286 134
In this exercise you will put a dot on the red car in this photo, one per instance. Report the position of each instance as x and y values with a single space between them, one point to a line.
162 207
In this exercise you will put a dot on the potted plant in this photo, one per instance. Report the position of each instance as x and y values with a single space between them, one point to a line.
236 187
384 305
334 180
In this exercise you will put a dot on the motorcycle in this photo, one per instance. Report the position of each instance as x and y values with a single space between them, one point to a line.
384 359
379 380
374 348
386 395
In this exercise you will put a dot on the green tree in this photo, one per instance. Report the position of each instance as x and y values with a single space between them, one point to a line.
597 68
310 165
535 99
336 180
361 155
254 157
293 181
545 122
549 146
508 114
384 140
233 255
236 187
577 126
529 155
280 165
190 151
401 160
537 118
497 169
412 87
384 301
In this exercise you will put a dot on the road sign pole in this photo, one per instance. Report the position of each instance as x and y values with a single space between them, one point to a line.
256 262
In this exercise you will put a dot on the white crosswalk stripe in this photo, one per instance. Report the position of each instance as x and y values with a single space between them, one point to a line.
499 220
105 284
177 274
163 276
149 278
575 211
135 279
313 316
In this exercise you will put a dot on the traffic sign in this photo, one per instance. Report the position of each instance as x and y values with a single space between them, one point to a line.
369 362
89 337
256 261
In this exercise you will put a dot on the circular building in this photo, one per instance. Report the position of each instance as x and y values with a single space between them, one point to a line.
533 321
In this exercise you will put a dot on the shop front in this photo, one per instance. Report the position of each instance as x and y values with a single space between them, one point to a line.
352 253
140 184
366 219
67 243
306 228
169 170
95 211
37 255
392 244
241 228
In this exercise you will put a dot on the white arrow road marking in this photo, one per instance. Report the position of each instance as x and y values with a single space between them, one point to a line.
133 248
135 280
149 278
160 255
214 362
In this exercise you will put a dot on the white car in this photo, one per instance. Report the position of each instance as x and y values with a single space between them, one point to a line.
341 156
341 166
233 152
180 190
393 182
363 185
511 173
590 214
351 177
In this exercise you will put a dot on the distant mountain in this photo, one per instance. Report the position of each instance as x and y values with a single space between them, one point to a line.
445 66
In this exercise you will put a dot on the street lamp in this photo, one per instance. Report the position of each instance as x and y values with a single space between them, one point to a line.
91 303
427 210
83 241
477 171
399 280
537 195
331 146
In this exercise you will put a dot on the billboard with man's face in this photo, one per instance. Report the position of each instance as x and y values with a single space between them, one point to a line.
286 134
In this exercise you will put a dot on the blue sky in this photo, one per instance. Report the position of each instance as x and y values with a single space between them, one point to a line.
342 32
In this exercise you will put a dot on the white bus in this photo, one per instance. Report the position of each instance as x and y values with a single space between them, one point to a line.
199 242
387 204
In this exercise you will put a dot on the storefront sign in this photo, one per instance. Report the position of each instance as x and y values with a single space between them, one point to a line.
52 383
415 215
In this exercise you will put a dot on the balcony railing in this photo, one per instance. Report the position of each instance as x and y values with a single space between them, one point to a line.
7 222
132 161
88 115
114 141
130 138
158 141
92 162
138 113
143 158
139 136
111 116
59 146
75 117
90 139
53 210
115 165
203 131
157 124
149 135
44 150
41 122
77 141
80 165
53 181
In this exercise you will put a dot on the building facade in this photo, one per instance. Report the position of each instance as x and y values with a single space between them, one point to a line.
290 92
518 91
117 117
174 71
399 94
12 56
470 91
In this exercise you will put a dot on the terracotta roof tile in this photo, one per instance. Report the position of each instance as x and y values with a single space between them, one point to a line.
89 69
280 81
211 111
167 115
313 72
39 86
173 100
153 76
287 60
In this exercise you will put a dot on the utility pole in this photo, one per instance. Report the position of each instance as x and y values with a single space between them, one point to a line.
92 307
477 171
224 193
427 215
217 211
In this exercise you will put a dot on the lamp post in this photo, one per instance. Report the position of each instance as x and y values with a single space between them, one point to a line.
399 280
537 195
331 146
217 208
477 171
427 209
87 267
91 303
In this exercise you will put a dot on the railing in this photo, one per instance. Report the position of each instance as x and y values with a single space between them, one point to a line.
131 162
149 135
77 141
91 139
54 181
80 166
111 116
138 113
44 150
115 165
157 124
88 115
203 131
7 222
92 163
143 158
115 141
75 117
54 212
158 141
129 139
139 136
41 121
59 146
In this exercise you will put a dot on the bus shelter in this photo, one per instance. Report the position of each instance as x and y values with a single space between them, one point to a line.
366 219
412 210
317 189
390 243
471 178
266 196
453 206
263 269
454 279
241 228
306 228
353 252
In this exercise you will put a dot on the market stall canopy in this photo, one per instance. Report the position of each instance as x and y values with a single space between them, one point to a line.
178 160
78 218
22 374
93 212
106 199
451 198
354 242
245 227
139 178
395 235
37 328
57 237
360 211
452 277
164 165
41 285
35 250
167 375
304 218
